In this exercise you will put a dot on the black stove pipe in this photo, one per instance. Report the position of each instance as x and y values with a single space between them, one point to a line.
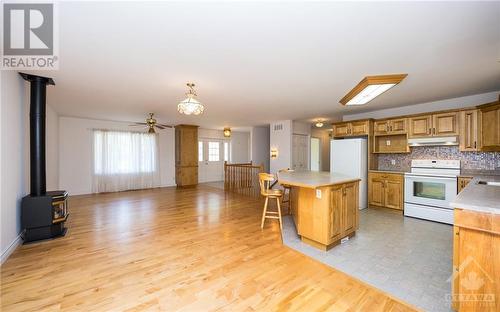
38 86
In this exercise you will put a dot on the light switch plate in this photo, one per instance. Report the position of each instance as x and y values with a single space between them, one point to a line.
393 161
318 194
388 142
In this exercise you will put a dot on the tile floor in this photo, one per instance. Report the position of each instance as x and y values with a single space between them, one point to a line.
405 257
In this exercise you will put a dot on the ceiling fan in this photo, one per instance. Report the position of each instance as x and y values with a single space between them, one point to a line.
151 123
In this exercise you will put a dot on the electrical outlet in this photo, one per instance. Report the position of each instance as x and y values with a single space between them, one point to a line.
388 142
393 161
318 194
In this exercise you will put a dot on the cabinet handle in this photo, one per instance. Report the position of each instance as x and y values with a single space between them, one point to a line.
433 130
430 131
475 144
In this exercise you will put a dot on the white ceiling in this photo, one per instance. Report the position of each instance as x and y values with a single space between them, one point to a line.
257 62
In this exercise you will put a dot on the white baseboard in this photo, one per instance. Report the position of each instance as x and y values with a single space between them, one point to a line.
16 242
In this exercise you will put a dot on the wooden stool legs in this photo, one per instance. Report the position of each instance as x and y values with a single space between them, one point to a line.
271 214
288 199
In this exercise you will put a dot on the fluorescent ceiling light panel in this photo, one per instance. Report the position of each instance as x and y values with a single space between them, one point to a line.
371 87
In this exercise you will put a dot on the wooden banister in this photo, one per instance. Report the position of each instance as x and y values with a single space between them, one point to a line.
242 178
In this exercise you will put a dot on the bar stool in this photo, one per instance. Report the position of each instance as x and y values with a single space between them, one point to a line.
286 190
265 180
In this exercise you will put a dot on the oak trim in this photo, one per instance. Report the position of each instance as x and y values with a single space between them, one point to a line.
371 80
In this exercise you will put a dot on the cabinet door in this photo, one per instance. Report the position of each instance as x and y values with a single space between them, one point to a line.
381 127
359 127
468 130
335 213
398 126
376 190
420 126
341 130
350 208
445 124
394 194
490 128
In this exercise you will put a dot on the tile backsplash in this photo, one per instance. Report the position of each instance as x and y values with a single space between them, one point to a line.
468 160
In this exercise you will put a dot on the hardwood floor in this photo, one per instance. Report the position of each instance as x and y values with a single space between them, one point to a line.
170 249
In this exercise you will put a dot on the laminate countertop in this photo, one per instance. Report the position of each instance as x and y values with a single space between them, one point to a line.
313 179
479 197
388 171
478 172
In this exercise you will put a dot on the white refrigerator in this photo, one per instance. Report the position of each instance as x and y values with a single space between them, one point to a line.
350 157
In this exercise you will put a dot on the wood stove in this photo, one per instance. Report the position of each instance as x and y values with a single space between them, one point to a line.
43 213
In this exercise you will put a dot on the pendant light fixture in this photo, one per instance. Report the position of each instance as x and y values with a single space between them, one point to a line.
190 106
319 123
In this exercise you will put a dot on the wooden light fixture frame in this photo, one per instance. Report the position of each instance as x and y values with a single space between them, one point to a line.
372 80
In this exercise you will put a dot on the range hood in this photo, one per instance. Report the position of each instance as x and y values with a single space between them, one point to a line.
433 141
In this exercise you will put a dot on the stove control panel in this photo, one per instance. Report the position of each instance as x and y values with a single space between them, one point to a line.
436 163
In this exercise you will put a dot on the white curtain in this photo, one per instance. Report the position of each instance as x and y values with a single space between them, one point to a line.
124 161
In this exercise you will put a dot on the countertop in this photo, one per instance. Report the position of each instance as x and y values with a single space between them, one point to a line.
478 172
478 197
313 179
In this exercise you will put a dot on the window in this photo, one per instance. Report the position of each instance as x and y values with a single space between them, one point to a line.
119 152
226 151
200 151
124 161
213 151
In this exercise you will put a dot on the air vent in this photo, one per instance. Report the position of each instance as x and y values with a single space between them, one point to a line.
278 127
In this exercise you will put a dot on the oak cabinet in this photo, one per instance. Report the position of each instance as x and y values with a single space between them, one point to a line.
386 190
489 132
420 126
341 129
445 124
469 120
376 193
354 128
476 250
393 194
390 126
462 182
186 155
344 209
442 124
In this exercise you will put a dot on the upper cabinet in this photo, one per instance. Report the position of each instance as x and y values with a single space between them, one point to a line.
390 126
445 124
469 122
442 124
489 131
354 128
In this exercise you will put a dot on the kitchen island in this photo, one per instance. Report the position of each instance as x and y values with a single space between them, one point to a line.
324 206
476 246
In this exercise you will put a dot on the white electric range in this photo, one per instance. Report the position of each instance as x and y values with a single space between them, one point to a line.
429 189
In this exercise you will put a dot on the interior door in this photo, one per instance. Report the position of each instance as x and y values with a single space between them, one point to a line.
300 152
315 154
210 160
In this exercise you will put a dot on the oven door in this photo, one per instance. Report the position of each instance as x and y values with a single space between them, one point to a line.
430 191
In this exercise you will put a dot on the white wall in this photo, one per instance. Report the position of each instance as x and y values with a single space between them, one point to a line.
13 185
259 137
281 139
303 128
461 102
75 153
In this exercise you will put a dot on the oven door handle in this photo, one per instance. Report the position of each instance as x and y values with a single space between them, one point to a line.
431 177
